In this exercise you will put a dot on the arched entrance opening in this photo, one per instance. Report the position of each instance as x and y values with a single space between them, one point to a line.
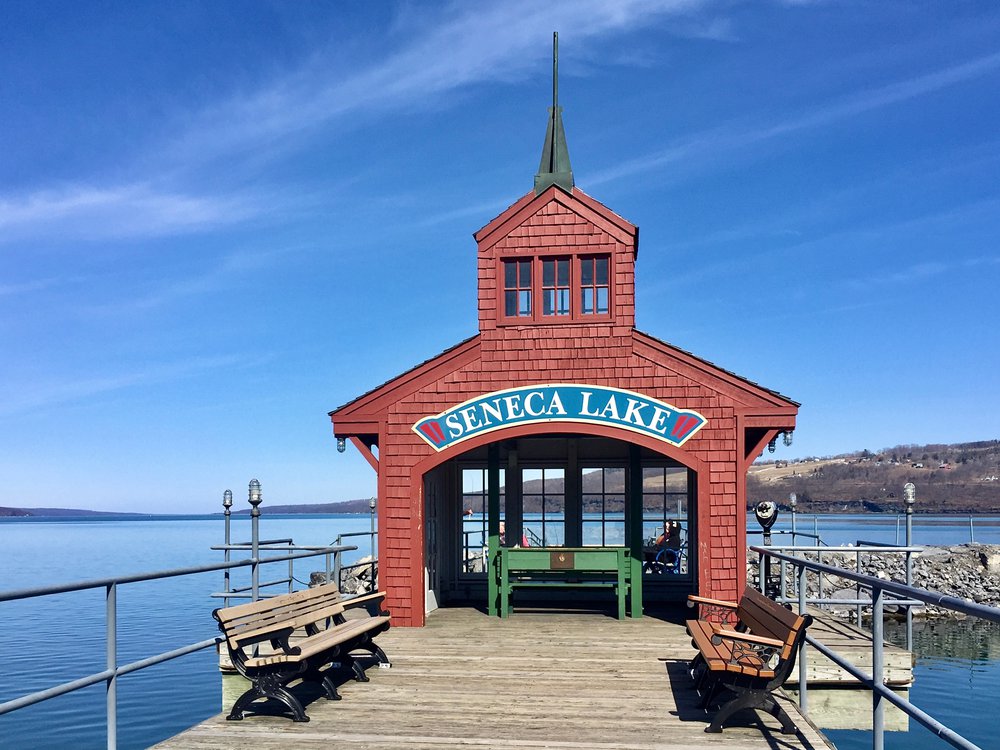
560 489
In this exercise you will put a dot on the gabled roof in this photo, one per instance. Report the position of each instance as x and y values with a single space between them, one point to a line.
577 201
703 364
428 364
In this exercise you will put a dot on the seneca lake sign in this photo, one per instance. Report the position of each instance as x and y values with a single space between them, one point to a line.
560 402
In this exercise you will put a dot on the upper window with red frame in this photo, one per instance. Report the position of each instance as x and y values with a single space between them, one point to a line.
564 288
555 286
517 288
594 286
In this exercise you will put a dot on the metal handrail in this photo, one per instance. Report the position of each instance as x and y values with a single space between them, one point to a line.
113 670
372 564
875 681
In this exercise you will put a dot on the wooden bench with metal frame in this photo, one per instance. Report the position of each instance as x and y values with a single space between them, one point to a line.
751 653
329 638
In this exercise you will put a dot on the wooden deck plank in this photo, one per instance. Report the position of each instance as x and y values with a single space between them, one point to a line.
571 681
855 645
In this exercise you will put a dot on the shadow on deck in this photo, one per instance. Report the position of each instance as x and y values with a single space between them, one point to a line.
538 679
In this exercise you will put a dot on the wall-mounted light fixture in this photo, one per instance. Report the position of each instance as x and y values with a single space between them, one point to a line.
341 444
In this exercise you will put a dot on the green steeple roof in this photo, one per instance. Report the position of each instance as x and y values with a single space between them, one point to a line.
554 168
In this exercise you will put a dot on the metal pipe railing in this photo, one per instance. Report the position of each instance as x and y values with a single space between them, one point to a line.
113 670
904 594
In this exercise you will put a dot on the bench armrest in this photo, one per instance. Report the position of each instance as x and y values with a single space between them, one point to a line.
371 602
277 636
721 634
692 600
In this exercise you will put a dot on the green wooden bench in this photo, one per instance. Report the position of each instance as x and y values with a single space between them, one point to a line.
563 568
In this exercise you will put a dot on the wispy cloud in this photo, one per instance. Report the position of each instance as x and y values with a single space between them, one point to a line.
285 112
31 395
917 272
216 276
712 143
28 287
87 212
483 43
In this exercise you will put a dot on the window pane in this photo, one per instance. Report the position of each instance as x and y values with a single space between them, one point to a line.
509 274
602 299
563 268
587 305
548 273
602 270
563 305
548 301
524 272
587 272
474 529
524 303
510 303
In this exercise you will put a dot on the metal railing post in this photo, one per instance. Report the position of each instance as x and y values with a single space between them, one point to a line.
336 563
255 499
803 667
857 585
111 698
819 576
878 707
371 506
761 583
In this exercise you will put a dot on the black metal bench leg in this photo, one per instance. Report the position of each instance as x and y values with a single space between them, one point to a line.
357 670
267 686
710 688
774 708
298 713
741 701
329 688
375 651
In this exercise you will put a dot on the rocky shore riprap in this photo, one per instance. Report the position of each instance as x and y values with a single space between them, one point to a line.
356 579
966 571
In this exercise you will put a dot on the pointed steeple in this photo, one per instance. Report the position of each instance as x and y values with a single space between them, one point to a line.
554 168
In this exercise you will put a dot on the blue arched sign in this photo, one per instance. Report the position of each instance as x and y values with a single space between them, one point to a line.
561 402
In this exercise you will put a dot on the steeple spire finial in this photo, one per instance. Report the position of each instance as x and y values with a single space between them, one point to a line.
554 168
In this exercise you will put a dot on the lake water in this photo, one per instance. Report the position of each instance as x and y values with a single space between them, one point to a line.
45 642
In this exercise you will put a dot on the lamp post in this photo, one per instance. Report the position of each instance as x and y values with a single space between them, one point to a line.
371 509
909 498
255 500
227 503
793 501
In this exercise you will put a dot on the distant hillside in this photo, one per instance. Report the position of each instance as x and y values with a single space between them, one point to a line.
958 478
345 506
60 512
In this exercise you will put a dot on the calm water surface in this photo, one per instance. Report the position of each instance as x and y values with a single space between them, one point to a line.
45 642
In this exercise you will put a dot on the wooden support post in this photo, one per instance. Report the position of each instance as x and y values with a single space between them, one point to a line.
633 528
493 521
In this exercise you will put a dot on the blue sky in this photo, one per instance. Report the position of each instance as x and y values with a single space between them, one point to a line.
219 221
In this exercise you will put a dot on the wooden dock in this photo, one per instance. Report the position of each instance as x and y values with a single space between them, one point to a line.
575 681
855 645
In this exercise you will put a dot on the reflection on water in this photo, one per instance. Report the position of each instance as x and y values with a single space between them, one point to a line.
957 679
